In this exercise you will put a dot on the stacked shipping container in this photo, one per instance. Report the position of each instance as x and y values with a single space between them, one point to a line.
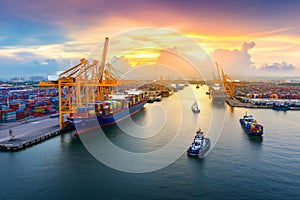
17 103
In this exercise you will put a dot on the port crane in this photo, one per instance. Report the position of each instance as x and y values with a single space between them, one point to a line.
83 83
227 82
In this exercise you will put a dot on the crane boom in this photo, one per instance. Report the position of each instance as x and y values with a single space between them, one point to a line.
102 64
218 70
82 60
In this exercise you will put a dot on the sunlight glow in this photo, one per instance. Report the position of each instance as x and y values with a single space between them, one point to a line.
142 57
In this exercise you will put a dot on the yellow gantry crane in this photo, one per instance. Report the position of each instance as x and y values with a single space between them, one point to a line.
228 83
83 83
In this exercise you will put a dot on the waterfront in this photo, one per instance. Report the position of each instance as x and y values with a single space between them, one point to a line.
238 167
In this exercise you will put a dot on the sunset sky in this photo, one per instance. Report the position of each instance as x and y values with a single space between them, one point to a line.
245 37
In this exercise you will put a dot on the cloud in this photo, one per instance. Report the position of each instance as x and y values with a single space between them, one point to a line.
275 67
238 62
42 67
234 61
247 46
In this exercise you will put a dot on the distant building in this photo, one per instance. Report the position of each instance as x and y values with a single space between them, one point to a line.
27 79
37 78
19 79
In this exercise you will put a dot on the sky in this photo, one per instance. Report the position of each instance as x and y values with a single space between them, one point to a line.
40 37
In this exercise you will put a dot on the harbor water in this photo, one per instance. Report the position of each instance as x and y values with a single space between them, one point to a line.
237 167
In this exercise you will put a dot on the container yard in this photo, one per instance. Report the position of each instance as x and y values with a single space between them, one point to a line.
21 103
266 95
268 90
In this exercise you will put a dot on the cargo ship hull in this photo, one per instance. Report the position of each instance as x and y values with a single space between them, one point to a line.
218 98
217 93
100 120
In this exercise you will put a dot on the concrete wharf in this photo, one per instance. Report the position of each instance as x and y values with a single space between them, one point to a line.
28 133
238 103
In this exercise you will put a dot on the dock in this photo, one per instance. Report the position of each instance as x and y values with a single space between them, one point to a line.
238 103
28 133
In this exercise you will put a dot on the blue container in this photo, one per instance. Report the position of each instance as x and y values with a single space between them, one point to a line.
52 111
19 110
40 103
10 120
4 107
10 113
21 106
82 109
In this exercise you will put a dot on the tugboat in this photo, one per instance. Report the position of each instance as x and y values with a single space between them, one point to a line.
250 125
195 108
199 146
154 98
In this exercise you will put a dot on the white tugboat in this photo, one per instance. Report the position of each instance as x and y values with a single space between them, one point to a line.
199 146
195 108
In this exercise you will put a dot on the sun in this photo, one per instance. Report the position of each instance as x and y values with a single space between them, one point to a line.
142 57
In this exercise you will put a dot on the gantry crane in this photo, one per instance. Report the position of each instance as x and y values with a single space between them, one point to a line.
228 83
84 83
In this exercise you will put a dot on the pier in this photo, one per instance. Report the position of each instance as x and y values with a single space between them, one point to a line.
238 103
28 133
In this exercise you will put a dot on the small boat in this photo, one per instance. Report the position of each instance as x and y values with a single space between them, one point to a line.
199 146
284 106
150 100
154 98
197 86
166 93
195 108
250 125
157 98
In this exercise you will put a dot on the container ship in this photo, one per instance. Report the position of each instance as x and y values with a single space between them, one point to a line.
250 125
217 93
107 112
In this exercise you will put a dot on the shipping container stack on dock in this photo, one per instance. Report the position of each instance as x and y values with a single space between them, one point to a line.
268 94
18 103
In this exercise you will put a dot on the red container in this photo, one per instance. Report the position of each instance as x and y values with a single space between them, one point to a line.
37 114
14 106
48 108
19 117
8 110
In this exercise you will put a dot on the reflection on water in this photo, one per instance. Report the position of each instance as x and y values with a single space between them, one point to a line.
256 139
